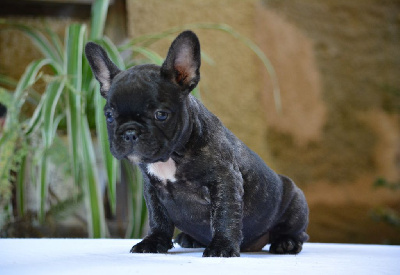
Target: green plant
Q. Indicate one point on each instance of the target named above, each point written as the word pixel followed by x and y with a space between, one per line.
pixel 383 213
pixel 387 214
pixel 69 96
pixel 68 104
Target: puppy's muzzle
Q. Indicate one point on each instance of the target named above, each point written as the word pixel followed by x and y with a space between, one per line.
pixel 129 132
pixel 130 135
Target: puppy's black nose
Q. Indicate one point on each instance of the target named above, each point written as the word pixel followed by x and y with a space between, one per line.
pixel 130 136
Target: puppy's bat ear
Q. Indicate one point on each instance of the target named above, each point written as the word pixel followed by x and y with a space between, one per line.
pixel 102 67
pixel 182 65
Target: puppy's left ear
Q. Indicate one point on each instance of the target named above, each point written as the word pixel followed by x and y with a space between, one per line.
pixel 182 65
pixel 102 67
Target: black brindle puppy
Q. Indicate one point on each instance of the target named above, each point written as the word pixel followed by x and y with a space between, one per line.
pixel 198 176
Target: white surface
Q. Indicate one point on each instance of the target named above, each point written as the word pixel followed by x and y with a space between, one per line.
pixel 107 256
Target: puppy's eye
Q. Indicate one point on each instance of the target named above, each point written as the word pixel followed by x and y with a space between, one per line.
pixel 161 115
pixel 109 117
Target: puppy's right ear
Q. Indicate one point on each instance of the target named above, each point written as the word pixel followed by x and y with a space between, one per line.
pixel 102 67
pixel 182 65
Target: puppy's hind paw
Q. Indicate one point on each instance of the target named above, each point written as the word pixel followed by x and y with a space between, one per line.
pixel 152 245
pixel 286 246
pixel 186 241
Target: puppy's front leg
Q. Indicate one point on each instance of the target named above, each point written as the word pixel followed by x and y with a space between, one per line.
pixel 226 215
pixel 159 239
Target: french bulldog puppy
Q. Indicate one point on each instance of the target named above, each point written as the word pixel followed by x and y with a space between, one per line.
pixel 198 176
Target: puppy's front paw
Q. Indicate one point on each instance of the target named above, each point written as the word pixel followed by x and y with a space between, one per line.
pixel 222 249
pixel 152 245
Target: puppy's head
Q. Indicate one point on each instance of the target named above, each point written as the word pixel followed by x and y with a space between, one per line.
pixel 146 106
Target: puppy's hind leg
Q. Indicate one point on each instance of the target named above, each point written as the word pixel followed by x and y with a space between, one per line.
pixel 288 236
pixel 186 241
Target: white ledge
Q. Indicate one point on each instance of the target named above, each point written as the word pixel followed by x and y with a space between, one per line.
pixel 110 256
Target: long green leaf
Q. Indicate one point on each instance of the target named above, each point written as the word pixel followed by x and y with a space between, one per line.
pixel 98 18
pixel 43 187
pixel 27 79
pixel 112 51
pixel 8 81
pixel 42 43
pixel 97 219
pixel 36 118
pixel 109 161
pixel 74 40
pixel 57 44
pixel 53 93
pixel 151 55
pixel 20 188
pixel 99 15
pixel 141 209
pixel 137 206
pixel 128 178
pixel 73 54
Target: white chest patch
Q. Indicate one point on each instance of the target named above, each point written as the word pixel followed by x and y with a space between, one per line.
pixel 163 170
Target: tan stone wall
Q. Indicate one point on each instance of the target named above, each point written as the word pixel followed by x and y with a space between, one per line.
pixel 335 62
pixel 355 46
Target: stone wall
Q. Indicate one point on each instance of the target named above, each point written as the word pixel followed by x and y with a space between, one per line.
pixel 338 67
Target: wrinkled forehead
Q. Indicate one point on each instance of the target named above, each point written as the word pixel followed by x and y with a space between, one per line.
pixel 141 89
pixel 136 79
pixel 135 87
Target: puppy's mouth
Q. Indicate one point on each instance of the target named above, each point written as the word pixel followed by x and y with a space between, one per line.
pixel 134 159
pixel 137 158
